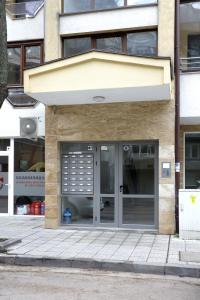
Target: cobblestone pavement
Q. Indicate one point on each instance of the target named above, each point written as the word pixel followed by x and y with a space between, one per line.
pixel 109 245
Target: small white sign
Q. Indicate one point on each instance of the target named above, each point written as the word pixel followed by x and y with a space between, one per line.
pixel 166 165
pixel 104 148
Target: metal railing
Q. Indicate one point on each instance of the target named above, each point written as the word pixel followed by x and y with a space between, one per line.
pixel 26 9
pixel 190 64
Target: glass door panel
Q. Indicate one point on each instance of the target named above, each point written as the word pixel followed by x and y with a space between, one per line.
pixel 137 189
pixel 107 196
pixel 3 184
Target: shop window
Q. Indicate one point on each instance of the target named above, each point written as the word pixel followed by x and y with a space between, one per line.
pixel 192 161
pixel 20 57
pixel 29 173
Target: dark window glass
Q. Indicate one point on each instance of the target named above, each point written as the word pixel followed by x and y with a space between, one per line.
pixel 106 4
pixel 142 43
pixel 71 6
pixel 14 55
pixel 32 56
pixel 138 169
pixel 110 44
pixel 76 46
pixel 194 50
pixel 4 144
pixel 107 169
pixel 192 161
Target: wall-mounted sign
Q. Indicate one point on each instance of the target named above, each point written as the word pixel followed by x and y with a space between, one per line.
pixel 25 183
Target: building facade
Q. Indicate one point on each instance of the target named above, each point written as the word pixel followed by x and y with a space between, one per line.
pixel 107 83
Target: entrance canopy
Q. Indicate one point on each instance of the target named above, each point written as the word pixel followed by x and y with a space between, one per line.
pixel 100 77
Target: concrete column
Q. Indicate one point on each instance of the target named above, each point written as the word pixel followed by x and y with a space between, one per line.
pixel 52 42
pixel 166 21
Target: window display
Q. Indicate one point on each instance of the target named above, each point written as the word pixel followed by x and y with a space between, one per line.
pixel 29 177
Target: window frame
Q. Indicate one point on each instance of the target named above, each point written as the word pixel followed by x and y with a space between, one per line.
pixel 122 34
pixel 22 46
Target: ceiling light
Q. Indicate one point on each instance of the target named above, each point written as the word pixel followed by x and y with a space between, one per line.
pixel 98 99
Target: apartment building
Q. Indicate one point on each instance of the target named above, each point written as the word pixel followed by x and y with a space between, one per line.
pixel 107 82
pixel 108 87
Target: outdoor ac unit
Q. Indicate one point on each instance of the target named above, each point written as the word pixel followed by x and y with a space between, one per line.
pixel 28 128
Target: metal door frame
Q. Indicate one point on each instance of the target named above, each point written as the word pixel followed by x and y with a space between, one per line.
pixel 121 195
pixel 98 195
pixel 118 181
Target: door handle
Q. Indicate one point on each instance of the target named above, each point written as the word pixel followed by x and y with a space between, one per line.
pixel 121 188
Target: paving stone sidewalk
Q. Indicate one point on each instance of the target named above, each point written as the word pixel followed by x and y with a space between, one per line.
pixel 95 244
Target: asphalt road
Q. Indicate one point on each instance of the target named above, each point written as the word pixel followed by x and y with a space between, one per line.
pixel 26 283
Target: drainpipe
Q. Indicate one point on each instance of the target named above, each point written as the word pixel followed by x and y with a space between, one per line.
pixel 177 110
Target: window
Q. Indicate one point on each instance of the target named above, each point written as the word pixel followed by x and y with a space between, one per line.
pixel 76 45
pixel 192 160
pixel 142 43
pixel 71 6
pixel 20 57
pixel 109 44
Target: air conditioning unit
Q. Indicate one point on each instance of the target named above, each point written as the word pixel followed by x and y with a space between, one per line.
pixel 28 128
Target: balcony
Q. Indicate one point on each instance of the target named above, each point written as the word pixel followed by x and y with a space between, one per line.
pixel 23 9
pixel 190 62
pixel 137 15
pixel 189 98
pixel 25 20
pixel 190 36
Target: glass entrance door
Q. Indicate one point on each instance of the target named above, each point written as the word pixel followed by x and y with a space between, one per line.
pixel 3 184
pixel 126 185
pixel 137 190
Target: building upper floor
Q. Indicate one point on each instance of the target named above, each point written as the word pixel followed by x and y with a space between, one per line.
pixel 190 61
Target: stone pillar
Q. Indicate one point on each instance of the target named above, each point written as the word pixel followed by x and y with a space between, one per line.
pixel 52 161
pixel 166 21
pixel 52 42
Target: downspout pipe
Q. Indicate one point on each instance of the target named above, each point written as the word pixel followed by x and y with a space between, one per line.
pixel 177 110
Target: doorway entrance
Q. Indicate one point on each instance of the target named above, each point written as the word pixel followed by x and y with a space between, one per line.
pixel 111 184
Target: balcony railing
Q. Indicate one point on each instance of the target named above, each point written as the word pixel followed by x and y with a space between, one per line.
pixel 190 64
pixel 26 9
pixel 77 6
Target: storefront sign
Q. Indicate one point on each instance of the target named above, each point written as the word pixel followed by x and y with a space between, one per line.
pixel 25 183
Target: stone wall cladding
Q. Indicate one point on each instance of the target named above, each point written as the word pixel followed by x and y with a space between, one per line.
pixel 111 122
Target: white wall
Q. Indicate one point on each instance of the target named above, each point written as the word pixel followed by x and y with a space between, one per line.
pixel 26 29
pixel 190 98
pixel 10 119
pixel 109 20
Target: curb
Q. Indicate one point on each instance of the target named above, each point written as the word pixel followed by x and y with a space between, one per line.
pixel 115 266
